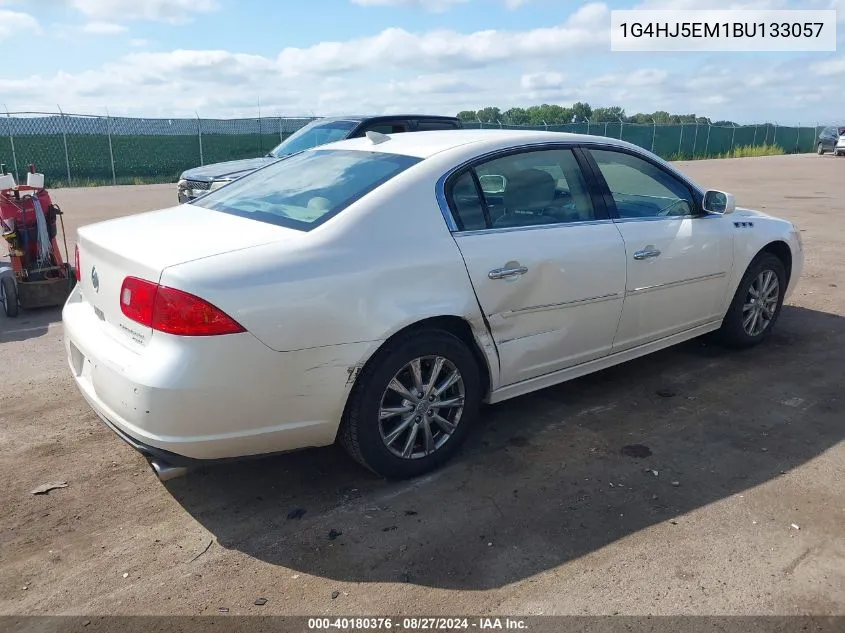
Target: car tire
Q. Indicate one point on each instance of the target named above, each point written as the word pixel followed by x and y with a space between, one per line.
pixel 740 327
pixel 820 149
pixel 10 297
pixel 366 432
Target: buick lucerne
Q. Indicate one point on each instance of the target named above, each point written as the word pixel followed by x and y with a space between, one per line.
pixel 375 291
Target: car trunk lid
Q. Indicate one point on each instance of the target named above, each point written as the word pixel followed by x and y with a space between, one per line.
pixel 145 245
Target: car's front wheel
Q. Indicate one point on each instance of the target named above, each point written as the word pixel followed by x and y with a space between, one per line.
pixel 412 405
pixel 757 303
pixel 820 149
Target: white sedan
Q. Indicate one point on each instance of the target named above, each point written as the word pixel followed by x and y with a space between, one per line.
pixel 375 291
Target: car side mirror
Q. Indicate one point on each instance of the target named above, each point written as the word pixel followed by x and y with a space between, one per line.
pixel 718 202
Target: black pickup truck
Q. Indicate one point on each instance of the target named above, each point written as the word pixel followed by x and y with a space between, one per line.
pixel 195 182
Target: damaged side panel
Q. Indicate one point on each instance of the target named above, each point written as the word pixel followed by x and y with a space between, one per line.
pixel 552 295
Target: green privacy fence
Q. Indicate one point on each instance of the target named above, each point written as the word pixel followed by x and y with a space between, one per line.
pixel 83 150
pixel 86 150
pixel 690 140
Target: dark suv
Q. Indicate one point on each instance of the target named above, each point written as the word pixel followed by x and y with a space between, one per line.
pixel 828 138
pixel 195 182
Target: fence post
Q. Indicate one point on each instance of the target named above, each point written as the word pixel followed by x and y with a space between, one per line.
pixel 199 136
pixel 545 126
pixel 681 140
pixel 733 135
pixel 111 151
pixel 12 143
pixel 754 142
pixel 64 137
pixel 653 133
pixel 707 143
pixel 281 135
pixel 588 127
pixel 621 125
pixel 695 139
pixel 605 128
pixel 775 134
pixel 798 139
pixel 766 140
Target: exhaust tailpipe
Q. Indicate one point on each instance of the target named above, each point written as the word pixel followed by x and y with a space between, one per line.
pixel 165 471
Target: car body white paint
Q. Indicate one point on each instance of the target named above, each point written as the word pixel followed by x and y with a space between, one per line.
pixel 318 304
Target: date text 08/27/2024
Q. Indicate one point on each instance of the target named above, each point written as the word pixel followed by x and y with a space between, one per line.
pixel 415 623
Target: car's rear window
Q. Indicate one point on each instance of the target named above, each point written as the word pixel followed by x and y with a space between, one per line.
pixel 304 190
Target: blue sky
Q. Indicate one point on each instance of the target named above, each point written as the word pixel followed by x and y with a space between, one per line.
pixel 221 57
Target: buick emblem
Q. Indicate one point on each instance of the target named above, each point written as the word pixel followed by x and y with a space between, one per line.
pixel 95 280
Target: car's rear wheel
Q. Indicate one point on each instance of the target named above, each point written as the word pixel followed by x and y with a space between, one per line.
pixel 412 405
pixel 757 303
pixel 820 149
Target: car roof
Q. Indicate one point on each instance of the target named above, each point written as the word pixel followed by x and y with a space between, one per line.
pixel 427 144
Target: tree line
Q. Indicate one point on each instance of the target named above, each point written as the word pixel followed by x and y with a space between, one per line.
pixel 547 114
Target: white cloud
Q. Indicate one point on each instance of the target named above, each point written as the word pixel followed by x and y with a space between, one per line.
pixel 441 72
pixel 640 78
pixel 138 42
pixel 104 28
pixel 830 67
pixel 436 6
pixel 435 84
pixel 396 47
pixel 14 23
pixel 542 81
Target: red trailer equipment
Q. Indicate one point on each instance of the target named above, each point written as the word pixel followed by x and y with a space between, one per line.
pixel 39 277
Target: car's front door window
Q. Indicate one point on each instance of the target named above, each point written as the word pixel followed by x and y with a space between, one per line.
pixel 641 189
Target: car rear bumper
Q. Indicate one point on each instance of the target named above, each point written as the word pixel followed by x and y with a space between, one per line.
pixel 182 399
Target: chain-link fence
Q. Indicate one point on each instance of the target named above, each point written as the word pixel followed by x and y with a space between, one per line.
pixel 86 150
pixel 89 150
pixel 689 141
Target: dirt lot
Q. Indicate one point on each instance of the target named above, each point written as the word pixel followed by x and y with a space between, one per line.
pixel 541 513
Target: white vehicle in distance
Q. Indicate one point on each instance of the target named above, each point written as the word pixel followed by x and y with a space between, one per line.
pixel 376 290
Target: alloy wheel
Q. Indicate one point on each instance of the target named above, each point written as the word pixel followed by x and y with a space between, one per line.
pixel 761 303
pixel 421 407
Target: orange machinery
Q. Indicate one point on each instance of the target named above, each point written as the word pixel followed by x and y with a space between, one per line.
pixel 39 276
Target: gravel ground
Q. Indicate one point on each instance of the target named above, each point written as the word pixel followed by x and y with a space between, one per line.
pixel 738 509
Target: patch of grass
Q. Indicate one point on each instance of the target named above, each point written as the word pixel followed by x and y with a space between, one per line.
pixel 741 151
pixel 107 182
pixel 752 151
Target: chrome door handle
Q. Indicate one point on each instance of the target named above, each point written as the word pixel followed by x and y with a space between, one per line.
pixel 647 253
pixel 504 273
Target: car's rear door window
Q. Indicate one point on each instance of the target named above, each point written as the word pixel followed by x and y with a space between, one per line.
pixel 306 189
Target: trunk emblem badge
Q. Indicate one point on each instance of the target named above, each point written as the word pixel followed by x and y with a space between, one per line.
pixel 95 280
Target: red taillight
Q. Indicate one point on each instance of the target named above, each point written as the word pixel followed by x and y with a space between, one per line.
pixel 76 263
pixel 173 311
pixel 137 298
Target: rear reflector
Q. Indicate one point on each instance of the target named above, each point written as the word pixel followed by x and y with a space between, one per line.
pixel 173 311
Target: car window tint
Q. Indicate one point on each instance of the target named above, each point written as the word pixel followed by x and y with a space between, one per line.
pixel 308 188
pixel 467 205
pixel 312 135
pixel 423 126
pixel 535 188
pixel 388 128
pixel 640 189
